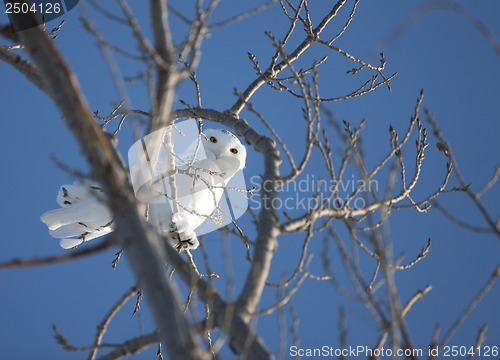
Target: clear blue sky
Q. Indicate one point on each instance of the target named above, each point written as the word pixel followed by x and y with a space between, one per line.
pixel 442 52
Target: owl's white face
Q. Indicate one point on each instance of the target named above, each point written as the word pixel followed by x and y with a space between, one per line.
pixel 225 149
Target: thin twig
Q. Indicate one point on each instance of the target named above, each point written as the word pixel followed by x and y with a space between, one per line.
pixel 103 325
pixel 471 306
pixel 69 256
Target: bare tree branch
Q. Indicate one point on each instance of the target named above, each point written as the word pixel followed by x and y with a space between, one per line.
pixel 102 327
pixel 142 244
pixel 23 66
pixel 131 347
pixel 89 250
pixel 272 71
pixel 360 238
pixel 482 292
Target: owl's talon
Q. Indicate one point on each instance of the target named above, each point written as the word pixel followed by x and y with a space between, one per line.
pixel 185 244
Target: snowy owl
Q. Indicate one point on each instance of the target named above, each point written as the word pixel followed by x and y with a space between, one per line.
pixel 202 175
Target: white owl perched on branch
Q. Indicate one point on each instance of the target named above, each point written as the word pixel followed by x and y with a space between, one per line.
pixel 202 174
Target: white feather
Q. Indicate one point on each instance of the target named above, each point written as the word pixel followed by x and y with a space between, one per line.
pixel 204 170
pixel 83 215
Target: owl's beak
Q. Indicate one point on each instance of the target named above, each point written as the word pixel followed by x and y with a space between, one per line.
pixel 219 155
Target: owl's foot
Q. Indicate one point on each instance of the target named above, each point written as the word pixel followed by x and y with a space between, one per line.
pixel 181 241
pixel 189 244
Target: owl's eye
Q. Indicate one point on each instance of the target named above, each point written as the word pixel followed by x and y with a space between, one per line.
pixel 233 150
pixel 213 139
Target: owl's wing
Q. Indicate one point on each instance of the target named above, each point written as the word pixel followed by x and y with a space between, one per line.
pixel 197 197
pixel 178 228
pixel 193 154
pixel 185 156
pixel 160 215
pixel 75 234
pixel 91 212
pixel 160 208
pixel 83 215
pixel 75 193
pixel 70 243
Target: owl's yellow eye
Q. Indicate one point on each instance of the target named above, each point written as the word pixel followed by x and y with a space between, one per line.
pixel 233 150
pixel 213 139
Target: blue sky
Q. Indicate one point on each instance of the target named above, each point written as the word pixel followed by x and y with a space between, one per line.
pixel 441 52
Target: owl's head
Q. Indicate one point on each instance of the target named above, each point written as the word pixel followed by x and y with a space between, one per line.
pixel 224 148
